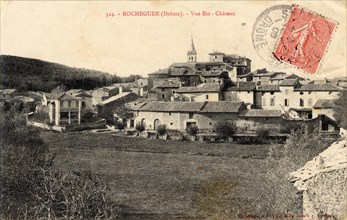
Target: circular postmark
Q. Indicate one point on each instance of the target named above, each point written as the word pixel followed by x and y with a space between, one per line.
pixel 267 31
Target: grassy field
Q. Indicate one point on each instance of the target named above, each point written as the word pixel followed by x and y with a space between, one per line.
pixel 154 179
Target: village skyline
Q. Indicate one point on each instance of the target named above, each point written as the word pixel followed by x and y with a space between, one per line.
pixel 83 37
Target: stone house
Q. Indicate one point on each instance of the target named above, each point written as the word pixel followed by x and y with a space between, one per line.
pixel 254 119
pixel 202 92
pixel 242 91
pixel 323 183
pixel 86 101
pixel 167 89
pixel 107 107
pixel 104 93
pixel 324 107
pixel 180 115
pixel 63 108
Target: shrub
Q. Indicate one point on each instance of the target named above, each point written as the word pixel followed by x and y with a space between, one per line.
pixel 140 127
pixel 225 129
pixel 120 125
pixel 161 129
pixel 263 135
pixel 193 130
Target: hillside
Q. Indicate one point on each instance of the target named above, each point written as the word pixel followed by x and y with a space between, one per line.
pixel 37 75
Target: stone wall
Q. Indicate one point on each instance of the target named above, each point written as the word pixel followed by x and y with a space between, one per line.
pixel 326 195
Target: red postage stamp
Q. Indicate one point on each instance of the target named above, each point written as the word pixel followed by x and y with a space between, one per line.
pixel 304 39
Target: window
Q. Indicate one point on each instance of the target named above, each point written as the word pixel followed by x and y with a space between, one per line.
pixel 264 101
pixel 61 104
pixel 272 102
pixel 83 104
pixel 210 123
pixel 191 115
pixel 302 102
pixel 301 93
pixel 286 102
pixel 64 115
pixel 171 123
pixel 173 91
pixel 73 115
pixel 271 93
pixel 163 96
pixel 163 89
pixel 77 104
pixel 248 92
pixel 206 97
pixel 169 113
pixel 69 104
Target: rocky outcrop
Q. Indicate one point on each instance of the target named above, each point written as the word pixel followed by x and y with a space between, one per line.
pixel 324 184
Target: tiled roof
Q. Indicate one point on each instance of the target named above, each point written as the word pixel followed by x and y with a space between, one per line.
pixel 318 87
pixel 212 73
pixel 293 76
pixel 53 96
pixel 245 75
pixel 169 84
pixel 180 71
pixel 324 103
pixel 268 88
pixel 243 86
pixel 204 87
pixel 202 107
pixel 289 82
pixel 261 113
pixel 172 106
pixel 68 97
pixel 83 94
pixel 333 158
pixel 222 107
pixel 115 98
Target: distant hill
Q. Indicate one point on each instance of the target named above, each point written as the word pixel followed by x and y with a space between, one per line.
pixel 27 74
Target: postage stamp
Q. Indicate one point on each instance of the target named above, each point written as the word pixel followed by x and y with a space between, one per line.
pixel 304 39
pixel 267 31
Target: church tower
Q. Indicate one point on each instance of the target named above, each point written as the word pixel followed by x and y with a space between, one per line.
pixel 191 55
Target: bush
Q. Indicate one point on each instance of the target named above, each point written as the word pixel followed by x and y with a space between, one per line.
pixel 140 127
pixel 120 125
pixel 161 129
pixel 225 129
pixel 193 130
pixel 263 135
pixel 32 189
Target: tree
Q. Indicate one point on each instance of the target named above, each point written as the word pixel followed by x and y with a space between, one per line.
pixel 340 109
pixel 225 129
pixel 161 129
pixel 32 189
pixel 193 130
pixel 302 145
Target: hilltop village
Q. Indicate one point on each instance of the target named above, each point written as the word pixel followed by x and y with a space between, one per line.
pixel 224 88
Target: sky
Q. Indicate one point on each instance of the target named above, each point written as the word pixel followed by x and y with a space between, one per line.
pixel 79 34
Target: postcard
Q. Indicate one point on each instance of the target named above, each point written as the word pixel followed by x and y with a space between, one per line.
pixel 173 109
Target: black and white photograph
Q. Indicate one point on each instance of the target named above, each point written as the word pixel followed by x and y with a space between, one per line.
pixel 165 110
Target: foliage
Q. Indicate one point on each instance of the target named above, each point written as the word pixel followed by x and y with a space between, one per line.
pixel 161 129
pixel 140 127
pixel 131 78
pixel 75 195
pixel 263 135
pixel 301 146
pixel 32 189
pixel 36 75
pixel 193 130
pixel 119 125
pixel 340 109
pixel 181 98
pixel 225 129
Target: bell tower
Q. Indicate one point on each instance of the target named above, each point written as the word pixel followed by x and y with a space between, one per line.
pixel 191 54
